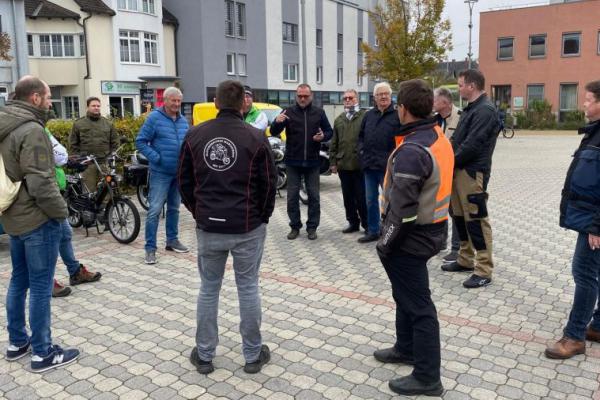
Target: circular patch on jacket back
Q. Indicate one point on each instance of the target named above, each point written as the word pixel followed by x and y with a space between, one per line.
pixel 220 154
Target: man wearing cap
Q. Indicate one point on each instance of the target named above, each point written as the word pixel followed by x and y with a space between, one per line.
pixel 253 115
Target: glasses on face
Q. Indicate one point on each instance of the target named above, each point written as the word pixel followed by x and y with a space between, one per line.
pixel 347 98
pixel 382 95
pixel 303 96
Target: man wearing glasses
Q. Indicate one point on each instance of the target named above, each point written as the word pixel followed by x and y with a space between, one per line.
pixel 375 144
pixel 344 161
pixel 306 126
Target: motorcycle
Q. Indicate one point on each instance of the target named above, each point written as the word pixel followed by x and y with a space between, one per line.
pixel 278 149
pixel 324 169
pixel 87 209
pixel 136 174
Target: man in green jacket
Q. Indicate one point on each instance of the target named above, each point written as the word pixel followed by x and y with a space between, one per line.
pixel 33 222
pixel 344 161
pixel 93 135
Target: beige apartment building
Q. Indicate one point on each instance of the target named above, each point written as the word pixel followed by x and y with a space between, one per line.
pixel 121 51
pixel 541 52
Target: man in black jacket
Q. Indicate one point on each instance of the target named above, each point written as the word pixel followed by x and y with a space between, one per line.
pixel 227 181
pixel 473 141
pixel 375 144
pixel 306 127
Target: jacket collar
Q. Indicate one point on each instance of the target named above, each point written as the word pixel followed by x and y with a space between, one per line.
pixel 163 112
pixel 41 115
pixel 590 129
pixel 391 108
pixel 229 113
pixel 308 107
pixel 479 100
pixel 416 125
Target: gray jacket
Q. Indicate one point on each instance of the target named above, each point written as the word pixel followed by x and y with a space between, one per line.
pixel 27 155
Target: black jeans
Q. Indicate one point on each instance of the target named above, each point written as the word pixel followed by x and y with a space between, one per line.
pixel 311 180
pixel 353 192
pixel 417 326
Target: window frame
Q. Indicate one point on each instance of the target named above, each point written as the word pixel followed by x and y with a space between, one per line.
pixel 71 105
pixel 340 76
pixel 359 42
pixel 30 45
pixel 244 57
pixel 562 44
pixel 130 39
pixel 293 31
pixel 148 39
pixel 227 58
pixel 560 88
pixel 340 42
pixel 545 36
pixel 151 5
pixel 319 77
pixel 512 53
pixel 287 68
pixel 229 18
pixel 240 22
pixel 530 85
pixel 319 38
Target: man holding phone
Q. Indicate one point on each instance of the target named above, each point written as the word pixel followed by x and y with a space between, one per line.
pixel 306 126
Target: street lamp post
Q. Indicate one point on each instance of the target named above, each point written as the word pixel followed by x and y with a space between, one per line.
pixel 471 4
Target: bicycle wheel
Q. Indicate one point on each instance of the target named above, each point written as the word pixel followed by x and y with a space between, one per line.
pixel 123 220
pixel 508 133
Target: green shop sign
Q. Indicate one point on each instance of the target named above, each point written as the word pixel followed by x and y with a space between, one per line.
pixel 116 87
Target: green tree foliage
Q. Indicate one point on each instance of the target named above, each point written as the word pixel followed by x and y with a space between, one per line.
pixel 4 47
pixel 412 37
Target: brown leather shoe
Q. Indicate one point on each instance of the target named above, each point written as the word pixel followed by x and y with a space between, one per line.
pixel 592 335
pixel 565 348
pixel 84 276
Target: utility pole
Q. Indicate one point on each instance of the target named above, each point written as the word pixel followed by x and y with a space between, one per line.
pixel 471 4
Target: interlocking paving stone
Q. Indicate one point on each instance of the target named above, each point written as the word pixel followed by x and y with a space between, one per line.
pixel 327 306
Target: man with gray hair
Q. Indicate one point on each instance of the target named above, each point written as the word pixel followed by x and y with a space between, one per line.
pixel 160 140
pixel 375 144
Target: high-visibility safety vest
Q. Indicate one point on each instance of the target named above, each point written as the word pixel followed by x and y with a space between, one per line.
pixel 434 198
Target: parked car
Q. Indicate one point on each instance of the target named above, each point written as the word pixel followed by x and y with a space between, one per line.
pixel 206 111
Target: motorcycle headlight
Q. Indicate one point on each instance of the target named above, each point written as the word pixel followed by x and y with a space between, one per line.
pixel 277 155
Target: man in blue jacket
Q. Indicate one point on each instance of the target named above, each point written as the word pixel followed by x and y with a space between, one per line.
pixel 160 141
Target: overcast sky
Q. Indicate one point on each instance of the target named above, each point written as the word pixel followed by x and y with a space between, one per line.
pixel 458 13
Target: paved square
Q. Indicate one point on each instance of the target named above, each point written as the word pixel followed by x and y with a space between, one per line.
pixel 327 306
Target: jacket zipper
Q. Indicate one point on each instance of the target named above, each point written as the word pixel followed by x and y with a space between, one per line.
pixel 305 137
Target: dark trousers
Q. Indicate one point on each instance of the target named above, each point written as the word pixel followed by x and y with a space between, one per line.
pixel 417 326
pixel 353 192
pixel 311 181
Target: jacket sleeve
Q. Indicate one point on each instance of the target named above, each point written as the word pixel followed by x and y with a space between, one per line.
pixel 74 140
pixel 267 177
pixel 186 178
pixel 278 127
pixel 261 122
pixel 412 166
pixel 60 153
pixel 36 161
pixel 333 147
pixel 483 126
pixel 325 127
pixel 391 139
pixel 361 136
pixel 143 142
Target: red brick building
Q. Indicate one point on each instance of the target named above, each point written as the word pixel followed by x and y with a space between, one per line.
pixel 541 52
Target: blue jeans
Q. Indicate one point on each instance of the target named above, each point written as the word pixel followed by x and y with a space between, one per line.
pixel 586 273
pixel 373 181
pixel 311 180
pixel 66 248
pixel 213 250
pixel 33 257
pixel 163 188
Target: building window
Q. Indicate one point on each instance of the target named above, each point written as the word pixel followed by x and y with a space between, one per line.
pixel 235 19
pixel 130 46
pixel 340 76
pixel 151 48
pixel 45 47
pixel 69 45
pixel 229 16
pixel 290 72
pixel 230 63
pixel 537 46
pixel 568 99
pixel 30 45
pixel 505 48
pixel 240 22
pixel 319 38
pixel 534 93
pixel 130 5
pixel 290 32
pixel 241 64
pixel 360 42
pixel 340 42
pixel 359 79
pixel 571 44
pixel 57 47
pixel 319 74
pixel 148 6
pixel 71 107
pixel 82 45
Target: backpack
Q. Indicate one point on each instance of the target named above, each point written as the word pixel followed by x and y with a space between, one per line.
pixel 8 188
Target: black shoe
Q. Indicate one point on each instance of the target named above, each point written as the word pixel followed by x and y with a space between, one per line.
pixel 410 386
pixel 204 367
pixel 368 237
pixel 392 356
pixel 263 358
pixel 293 234
pixel 451 257
pixel 456 267
pixel 351 228
pixel 475 282
pixel 312 234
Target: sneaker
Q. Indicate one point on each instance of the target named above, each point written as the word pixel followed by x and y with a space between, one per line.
pixel 84 276
pixel 263 358
pixel 475 281
pixel 293 234
pixel 454 266
pixel 15 352
pixel 59 290
pixel 150 257
pixel 56 358
pixel 312 234
pixel 204 367
pixel 176 246
pixel 450 257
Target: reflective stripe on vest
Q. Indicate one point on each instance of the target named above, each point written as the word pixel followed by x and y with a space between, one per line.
pixel 434 198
